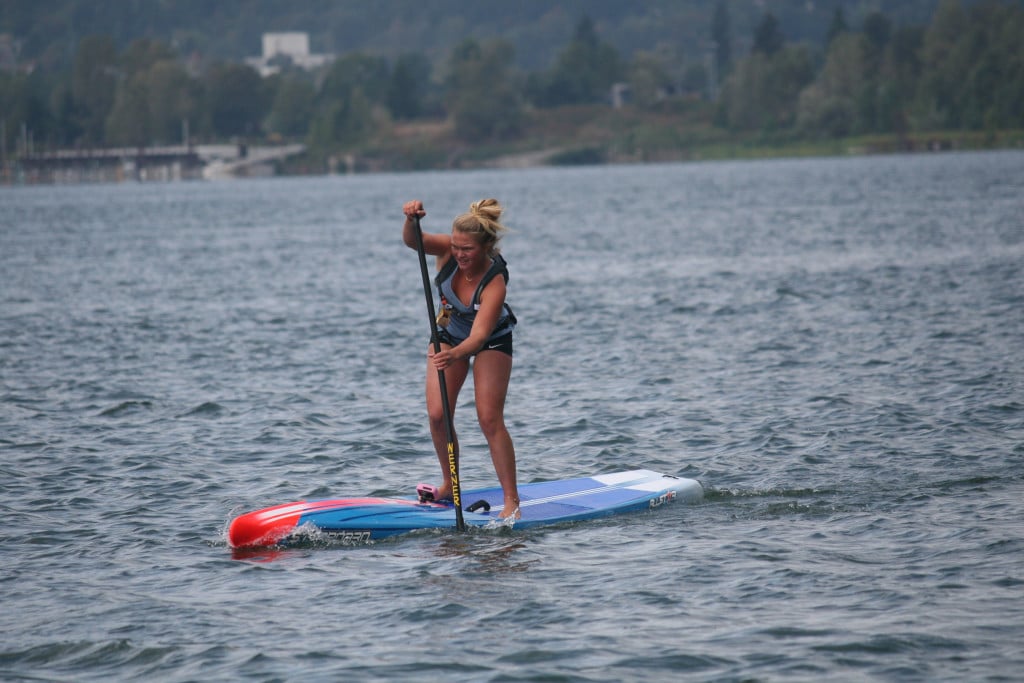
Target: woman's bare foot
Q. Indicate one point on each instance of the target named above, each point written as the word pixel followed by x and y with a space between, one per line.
pixel 511 509
pixel 433 494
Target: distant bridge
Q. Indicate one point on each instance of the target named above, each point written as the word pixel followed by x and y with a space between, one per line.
pixel 170 162
pixel 252 161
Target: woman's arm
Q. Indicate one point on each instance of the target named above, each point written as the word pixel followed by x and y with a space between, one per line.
pixel 492 300
pixel 433 243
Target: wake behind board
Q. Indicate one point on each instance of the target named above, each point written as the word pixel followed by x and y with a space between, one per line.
pixel 549 502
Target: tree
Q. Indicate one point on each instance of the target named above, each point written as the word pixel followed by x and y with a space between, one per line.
pixel 992 93
pixel 143 53
pixel 342 123
pixel 768 38
pixel 483 99
pixel 877 29
pixel 583 74
pixel 648 80
pixel 23 110
pixel 937 94
pixel 94 84
pixel 897 83
pixel 695 79
pixel 172 98
pixel 236 101
pixel 293 107
pixel 763 89
pixel 128 122
pixel 833 103
pixel 356 71
pixel 354 86
pixel 721 33
pixel 762 92
pixel 153 96
pixel 877 33
pixel 1008 101
pixel 409 78
pixel 67 118
pixel 838 26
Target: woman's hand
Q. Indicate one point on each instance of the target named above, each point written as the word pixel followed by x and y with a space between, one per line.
pixel 434 244
pixel 441 359
pixel 413 208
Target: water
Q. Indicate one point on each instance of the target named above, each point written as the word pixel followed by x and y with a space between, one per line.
pixel 834 347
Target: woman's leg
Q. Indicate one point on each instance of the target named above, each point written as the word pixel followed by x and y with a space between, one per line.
pixel 491 373
pixel 454 377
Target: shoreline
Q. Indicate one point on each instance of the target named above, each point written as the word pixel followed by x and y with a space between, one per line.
pixel 574 153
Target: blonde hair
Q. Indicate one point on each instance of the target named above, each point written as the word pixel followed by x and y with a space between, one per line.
pixel 482 222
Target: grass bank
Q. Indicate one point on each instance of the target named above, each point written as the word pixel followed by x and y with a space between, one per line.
pixel 682 131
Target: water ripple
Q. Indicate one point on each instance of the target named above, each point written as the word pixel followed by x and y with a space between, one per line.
pixel 831 346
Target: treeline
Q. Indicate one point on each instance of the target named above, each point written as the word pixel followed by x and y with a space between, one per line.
pixel 47 32
pixel 964 70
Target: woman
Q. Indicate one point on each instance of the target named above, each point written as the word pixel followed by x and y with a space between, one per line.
pixel 474 322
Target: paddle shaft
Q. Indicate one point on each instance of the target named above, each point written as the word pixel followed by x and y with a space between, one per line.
pixel 453 457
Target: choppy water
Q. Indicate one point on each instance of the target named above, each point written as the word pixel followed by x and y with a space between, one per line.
pixel 834 347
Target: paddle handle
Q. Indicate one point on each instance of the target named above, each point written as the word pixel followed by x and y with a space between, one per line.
pixel 453 457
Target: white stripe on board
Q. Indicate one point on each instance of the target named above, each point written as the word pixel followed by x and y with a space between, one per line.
pixel 618 481
pixel 632 475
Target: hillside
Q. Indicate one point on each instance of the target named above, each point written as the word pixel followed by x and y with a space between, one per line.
pixel 452 84
pixel 47 32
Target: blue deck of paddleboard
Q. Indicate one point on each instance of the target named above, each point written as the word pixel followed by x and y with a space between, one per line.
pixel 540 503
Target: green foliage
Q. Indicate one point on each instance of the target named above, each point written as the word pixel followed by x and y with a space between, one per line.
pixel 763 91
pixel 128 121
pixel 768 38
pixel 94 85
pixel 22 98
pixel 721 34
pixel 356 72
pixel 66 126
pixel 172 99
pixel 583 74
pixel 342 123
pixel 407 86
pixel 973 68
pixel 838 26
pixel 483 98
pixel 353 87
pixel 581 156
pixel 292 108
pixel 229 30
pixel 831 104
pixel 236 100
pixel 965 70
pixel 962 69
pixel 877 29
pixel 142 54
pixel 649 80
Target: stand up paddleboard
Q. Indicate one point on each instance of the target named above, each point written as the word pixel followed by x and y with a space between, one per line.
pixel 357 520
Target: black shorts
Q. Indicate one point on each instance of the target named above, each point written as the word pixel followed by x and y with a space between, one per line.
pixel 502 343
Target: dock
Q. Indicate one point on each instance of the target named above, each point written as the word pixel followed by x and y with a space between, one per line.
pixel 144 164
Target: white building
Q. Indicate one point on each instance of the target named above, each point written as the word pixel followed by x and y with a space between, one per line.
pixel 291 46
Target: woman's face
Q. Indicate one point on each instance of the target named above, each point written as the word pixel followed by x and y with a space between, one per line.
pixel 466 250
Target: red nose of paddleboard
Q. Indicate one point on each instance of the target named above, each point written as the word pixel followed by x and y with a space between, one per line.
pixel 264 527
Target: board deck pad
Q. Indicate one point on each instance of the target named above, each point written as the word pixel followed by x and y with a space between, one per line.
pixel 548 502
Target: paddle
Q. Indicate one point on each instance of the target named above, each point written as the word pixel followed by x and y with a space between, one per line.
pixel 453 459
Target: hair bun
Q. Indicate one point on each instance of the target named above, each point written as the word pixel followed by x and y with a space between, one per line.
pixel 482 221
pixel 488 209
